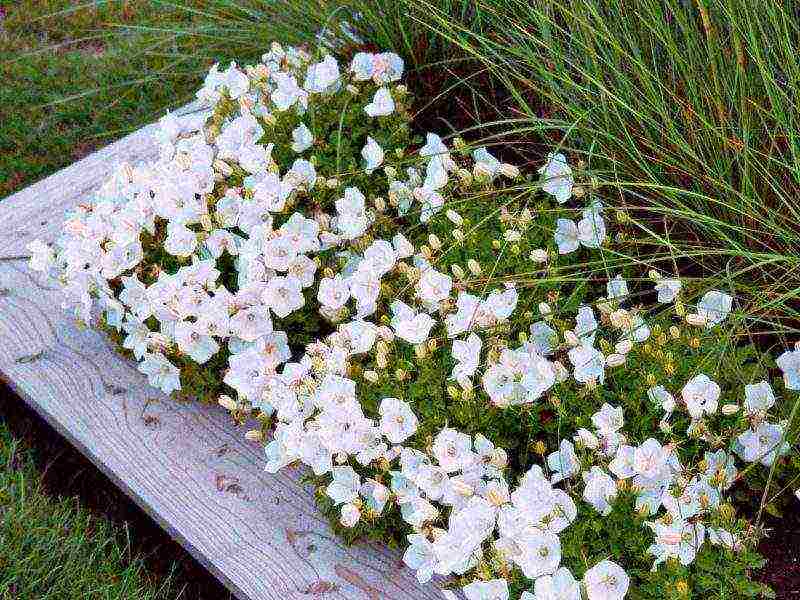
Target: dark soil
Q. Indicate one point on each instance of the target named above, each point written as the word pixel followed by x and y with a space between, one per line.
pixel 67 473
pixel 782 550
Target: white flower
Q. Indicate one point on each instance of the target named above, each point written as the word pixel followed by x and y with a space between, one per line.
pixel 763 444
pixel 485 164
pixel 380 256
pixel 200 348
pixel 136 338
pixel 434 146
pixel 759 397
pixel 303 138
pixel 701 395
pixel 322 77
pixel 350 515
pixel 668 290
pixel 236 82
pixel 181 241
pixel 714 307
pixel 402 247
pixel 557 177
pixel 433 286
pixel 382 104
pixel 563 463
pixel 499 383
pixel 352 219
pixel 587 438
pixel 398 421
pixel 540 552
pixel 600 490
pixel 345 485
pixel 566 236
pixel 303 174
pixel 592 231
pixel 585 325
pixel 221 240
pixel 606 581
pixel 431 201
pixel 381 68
pixel 333 292
pixel 467 355
pixel 409 325
pixel 376 495
pixel 662 398
pixel 453 450
pixel 302 268
pixel 161 373
pixel 283 295
pixel 251 323
pixel 589 363
pixel 365 287
pixel 361 336
pixel 420 557
pixel 495 589
pixel 559 586
pixel 373 154
pixel 680 539
pixel 435 175
pixel 287 92
pixel 724 538
pixel 650 458
pixel 789 363
pixel 617 288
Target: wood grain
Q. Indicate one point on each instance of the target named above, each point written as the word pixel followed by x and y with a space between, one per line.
pixel 184 464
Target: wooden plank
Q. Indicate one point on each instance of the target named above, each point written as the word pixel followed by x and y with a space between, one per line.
pixel 184 464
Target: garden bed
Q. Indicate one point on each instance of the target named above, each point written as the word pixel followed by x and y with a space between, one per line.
pixel 216 189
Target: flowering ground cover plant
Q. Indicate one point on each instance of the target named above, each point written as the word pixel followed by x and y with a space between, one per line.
pixel 421 326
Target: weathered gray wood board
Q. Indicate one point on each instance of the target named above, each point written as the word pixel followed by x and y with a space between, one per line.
pixel 184 464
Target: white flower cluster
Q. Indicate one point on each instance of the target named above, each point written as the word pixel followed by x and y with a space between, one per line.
pixel 201 254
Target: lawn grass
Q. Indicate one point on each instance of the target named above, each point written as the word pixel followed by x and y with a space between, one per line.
pixel 55 549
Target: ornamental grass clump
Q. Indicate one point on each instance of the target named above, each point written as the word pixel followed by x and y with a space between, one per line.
pixel 442 344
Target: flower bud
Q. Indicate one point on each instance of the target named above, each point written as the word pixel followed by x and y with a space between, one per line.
pixel 254 435
pixel 227 402
pixel 474 266
pixel 624 346
pixel 696 319
pixel 454 217
pixel 509 171
pixel 539 255
pixel 570 338
pixel 615 360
